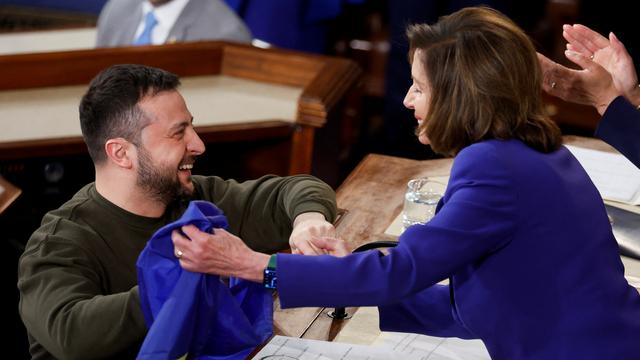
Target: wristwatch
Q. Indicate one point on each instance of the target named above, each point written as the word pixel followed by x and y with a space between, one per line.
pixel 270 278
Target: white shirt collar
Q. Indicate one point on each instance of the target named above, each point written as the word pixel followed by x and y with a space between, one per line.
pixel 166 14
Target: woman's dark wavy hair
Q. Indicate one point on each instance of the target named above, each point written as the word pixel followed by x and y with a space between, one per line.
pixel 485 82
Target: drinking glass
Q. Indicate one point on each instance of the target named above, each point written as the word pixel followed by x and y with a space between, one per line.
pixel 420 201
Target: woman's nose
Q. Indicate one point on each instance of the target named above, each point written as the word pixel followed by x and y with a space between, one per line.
pixel 408 101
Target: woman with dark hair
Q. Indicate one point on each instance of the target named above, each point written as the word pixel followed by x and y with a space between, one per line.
pixel 521 232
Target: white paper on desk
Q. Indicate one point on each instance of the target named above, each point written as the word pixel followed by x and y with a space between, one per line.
pixel 631 271
pixel 430 347
pixel 290 348
pixel 615 177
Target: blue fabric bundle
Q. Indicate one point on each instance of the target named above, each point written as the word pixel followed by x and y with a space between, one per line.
pixel 197 314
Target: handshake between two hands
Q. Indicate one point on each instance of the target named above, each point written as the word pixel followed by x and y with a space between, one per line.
pixel 223 253
pixel 313 235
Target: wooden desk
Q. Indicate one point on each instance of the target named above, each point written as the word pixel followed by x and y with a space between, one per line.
pixel 373 196
pixel 318 84
pixel 26 42
pixel 8 193
pixel 259 111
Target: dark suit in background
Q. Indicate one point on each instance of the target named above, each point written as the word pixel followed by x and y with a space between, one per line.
pixel 199 20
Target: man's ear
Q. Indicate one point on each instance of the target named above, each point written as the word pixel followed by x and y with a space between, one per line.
pixel 120 151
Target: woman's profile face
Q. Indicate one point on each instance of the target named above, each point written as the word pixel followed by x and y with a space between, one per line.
pixel 419 94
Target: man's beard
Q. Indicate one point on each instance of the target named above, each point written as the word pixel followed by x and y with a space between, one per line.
pixel 160 183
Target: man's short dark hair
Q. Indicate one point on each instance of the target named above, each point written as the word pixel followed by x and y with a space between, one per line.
pixel 109 109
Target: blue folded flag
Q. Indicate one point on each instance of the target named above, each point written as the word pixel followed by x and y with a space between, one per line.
pixel 198 314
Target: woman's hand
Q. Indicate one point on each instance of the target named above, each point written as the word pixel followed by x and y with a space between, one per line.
pixel 609 53
pixel 592 85
pixel 331 245
pixel 220 253
pixel 305 227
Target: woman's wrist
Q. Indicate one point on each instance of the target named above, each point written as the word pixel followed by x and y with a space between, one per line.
pixel 606 98
pixel 254 267
pixel 633 96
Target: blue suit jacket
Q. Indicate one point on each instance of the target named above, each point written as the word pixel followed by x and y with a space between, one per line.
pixel 533 265
pixel 620 127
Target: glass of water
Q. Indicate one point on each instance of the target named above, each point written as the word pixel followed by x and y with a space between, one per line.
pixel 420 201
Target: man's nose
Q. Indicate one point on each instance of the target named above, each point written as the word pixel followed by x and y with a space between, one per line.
pixel 195 144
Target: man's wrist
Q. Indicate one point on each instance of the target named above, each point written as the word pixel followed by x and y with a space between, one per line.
pixel 313 215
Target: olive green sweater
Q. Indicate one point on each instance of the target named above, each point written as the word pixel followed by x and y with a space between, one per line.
pixel 77 277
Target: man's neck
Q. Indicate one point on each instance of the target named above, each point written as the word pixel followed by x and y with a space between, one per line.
pixel 156 3
pixel 125 194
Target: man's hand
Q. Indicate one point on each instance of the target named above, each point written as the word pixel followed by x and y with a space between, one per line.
pixel 307 226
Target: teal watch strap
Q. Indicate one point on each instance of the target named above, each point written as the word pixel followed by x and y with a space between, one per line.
pixel 270 277
pixel 273 259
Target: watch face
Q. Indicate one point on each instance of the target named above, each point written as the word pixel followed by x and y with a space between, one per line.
pixel 270 279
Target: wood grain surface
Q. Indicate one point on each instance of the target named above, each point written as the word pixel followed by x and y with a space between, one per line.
pixel 372 196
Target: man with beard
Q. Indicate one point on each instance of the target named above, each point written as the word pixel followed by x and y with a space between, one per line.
pixel 77 277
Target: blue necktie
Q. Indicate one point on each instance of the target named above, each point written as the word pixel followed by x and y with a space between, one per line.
pixel 150 22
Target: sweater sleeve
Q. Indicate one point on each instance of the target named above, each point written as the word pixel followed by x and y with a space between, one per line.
pixel 478 217
pixel 63 307
pixel 261 211
pixel 620 127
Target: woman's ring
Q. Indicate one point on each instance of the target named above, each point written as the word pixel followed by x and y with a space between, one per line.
pixel 179 254
pixel 553 85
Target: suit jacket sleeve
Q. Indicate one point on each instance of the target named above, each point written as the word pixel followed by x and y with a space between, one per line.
pixel 427 312
pixel 463 231
pixel 620 127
